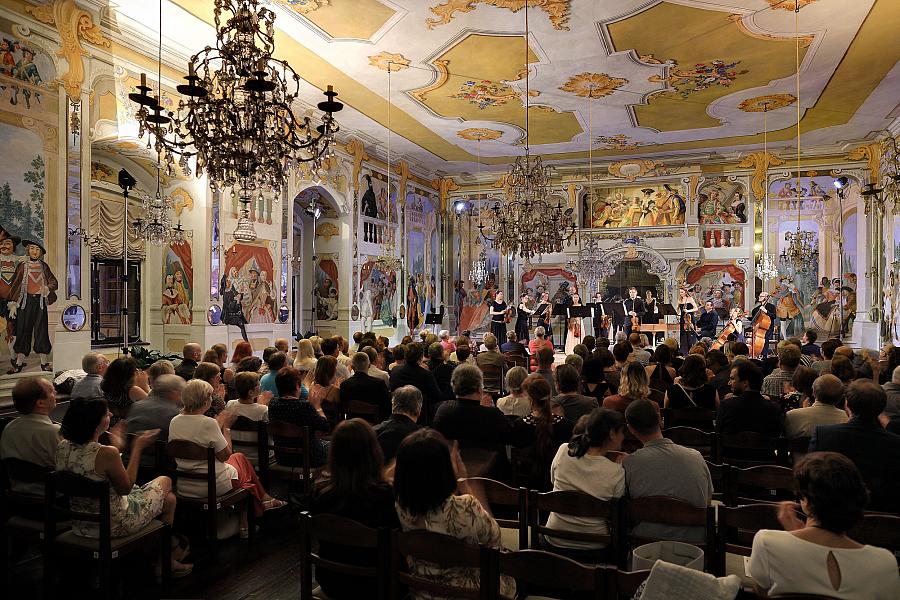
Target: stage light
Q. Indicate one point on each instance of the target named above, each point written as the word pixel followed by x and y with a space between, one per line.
pixel 841 182
pixel 459 206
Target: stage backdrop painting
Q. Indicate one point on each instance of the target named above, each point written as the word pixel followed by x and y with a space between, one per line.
pixel 379 291
pixel 475 312
pixel 644 205
pixel 723 284
pixel 327 283
pixel 250 268
pixel 178 281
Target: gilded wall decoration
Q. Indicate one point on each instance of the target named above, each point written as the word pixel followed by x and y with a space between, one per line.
pixel 790 5
pixel 700 77
pixel 182 200
pixel 871 153
pixel 477 134
pixel 384 60
pixel 444 186
pixel 645 205
pixel 442 75
pixel 557 10
pixel 760 162
pixel 620 142
pixel 327 230
pixel 402 169
pixel 357 150
pixel 632 169
pixel 73 25
pixel 767 103
pixel 594 85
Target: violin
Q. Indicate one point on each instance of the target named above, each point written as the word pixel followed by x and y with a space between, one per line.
pixel 508 314
pixel 635 323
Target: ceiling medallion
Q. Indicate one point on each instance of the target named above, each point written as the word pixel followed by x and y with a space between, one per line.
pixel 235 117
pixel 387 60
pixel 632 169
pixel 478 134
pixel 305 7
pixel 766 103
pixel 790 5
pixel 595 85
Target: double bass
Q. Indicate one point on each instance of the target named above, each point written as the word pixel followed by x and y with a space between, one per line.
pixel 760 326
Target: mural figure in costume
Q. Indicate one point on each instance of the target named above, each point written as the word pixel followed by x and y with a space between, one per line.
pixel 33 290
pixel 412 306
pixel 169 300
pixel 634 206
pixel 8 263
pixel 369 208
pixel 788 304
pixel 232 302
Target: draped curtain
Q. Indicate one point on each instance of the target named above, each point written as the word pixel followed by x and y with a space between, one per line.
pixel 107 225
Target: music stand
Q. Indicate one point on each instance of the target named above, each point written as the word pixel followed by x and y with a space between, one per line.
pixel 559 310
pixel 434 319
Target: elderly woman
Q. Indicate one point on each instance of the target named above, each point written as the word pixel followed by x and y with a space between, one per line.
pixel 123 384
pixel 251 403
pixel 233 470
pixel 446 343
pixel 517 403
pixel 426 482
pixel 539 341
pixel 211 374
pixel 816 556
pixel 632 386
pixel 131 507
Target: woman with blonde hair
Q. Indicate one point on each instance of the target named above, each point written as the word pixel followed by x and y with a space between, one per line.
pixel 305 361
pixel 633 385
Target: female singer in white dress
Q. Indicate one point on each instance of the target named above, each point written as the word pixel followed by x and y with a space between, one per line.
pixel 576 328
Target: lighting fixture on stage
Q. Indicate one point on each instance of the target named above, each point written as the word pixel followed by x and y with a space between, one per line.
pixel 526 222
pixel 459 206
pixel 841 182
pixel 236 117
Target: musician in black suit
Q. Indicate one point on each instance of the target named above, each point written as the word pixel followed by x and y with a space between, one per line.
pixel 599 330
pixel 634 307
pixel 767 308
pixel 562 298
pixel 708 321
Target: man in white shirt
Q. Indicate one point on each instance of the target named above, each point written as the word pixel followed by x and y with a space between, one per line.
pixel 32 436
pixel 827 391
pixel 331 347
pixel 374 371
pixel 94 364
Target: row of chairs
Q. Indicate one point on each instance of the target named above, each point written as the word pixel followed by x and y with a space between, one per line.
pixel 744 448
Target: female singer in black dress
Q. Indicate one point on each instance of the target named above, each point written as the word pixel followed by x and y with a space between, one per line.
pixel 498 317
pixel 651 316
pixel 523 315
pixel 542 311
pixel 687 310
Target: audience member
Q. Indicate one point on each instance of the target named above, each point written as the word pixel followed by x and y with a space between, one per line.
pixel 276 362
pixel 575 361
pixel 374 371
pixel 32 436
pixel 513 346
pixel 748 409
pixel 622 352
pixel 446 343
pixel 539 341
pixel 242 350
pixel 292 406
pixel 160 367
pixel 305 361
pixel 544 359
pixel 190 359
pixel 633 386
pixel 324 391
pixel 94 364
pixel 123 384
pixel 828 348
pixel 158 409
pixel 406 406
pixel 491 356
pixel 692 388
pixel 842 368
pixel 538 435
pixel 399 353
pixel 827 392
pixel 364 388
pixel 808 346
pixel 864 441
pixel 468 417
pixel 441 369
pixel 580 350
pixel 252 402
pixel 249 364
pixel 593 384
pixel 639 353
pixel 788 361
pixel 573 404
pixel 517 403
pixel 663 468
pixel 331 347
pixel 717 363
pixel 210 373
pixel 799 391
pixel 817 557
pixel 660 374
pixel 889 361
pixel 892 394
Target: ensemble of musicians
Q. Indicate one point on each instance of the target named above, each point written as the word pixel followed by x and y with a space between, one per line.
pixel 562 318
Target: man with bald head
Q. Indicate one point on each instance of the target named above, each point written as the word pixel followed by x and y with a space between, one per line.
pixel 157 410
pixel 191 354
pixel 827 392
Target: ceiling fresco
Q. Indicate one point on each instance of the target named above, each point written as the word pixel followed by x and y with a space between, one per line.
pixel 631 78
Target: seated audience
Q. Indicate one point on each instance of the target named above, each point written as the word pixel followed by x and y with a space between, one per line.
pixel 889 360
pixel 241 351
pixel 800 389
pixel 491 355
pixel 842 368
pixel 622 352
pixel 575 361
pixel 817 557
pixel 94 364
pixel 593 384
pixel 892 395
pixel 441 369
pixel 809 347
pixel 233 470
pixel 517 403
pixel 406 406
pixel 537 343
pixel 717 363
pixel 692 389
pixel 252 403
pixel 283 345
pixel 292 406
pixel 581 351
pixel 332 347
pixel 32 436
pixel 663 468
pixel 399 354
pixel 573 404
pixel 660 374
pixel 611 373
pixel 445 341
pixel 324 391
pixel 158 409
pixel 363 387
pixel 221 351
pixel 305 361
pixel 788 360
pixel 190 359
pixel 356 489
pixel 583 465
pixel 413 373
pixel 513 346
pixel 123 385
pixel 827 392
pixel 160 367
pixel 374 371
pixel 538 435
pixel 544 358
pixel 864 441
pixel 633 386
pixel 639 353
pixel 748 409
pixel 276 362
pixel 828 348
pixel 211 374
pixel 426 480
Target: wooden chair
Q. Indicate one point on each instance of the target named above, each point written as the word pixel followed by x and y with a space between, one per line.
pixel 658 396
pixel 706 443
pixel 292 440
pixel 763 483
pixel 576 504
pixel 797 447
pixel 104 549
pixel 445 552
pixel 212 503
pixel 362 410
pixel 515 360
pixel 737 526
pixel 622 585
pixel 878 529
pixel 732 444
pixel 332 529
pixel 698 418
pixel 493 379
pixel 545 571
pixel 720 475
pixel 665 510
pixel 511 501
pixel 260 445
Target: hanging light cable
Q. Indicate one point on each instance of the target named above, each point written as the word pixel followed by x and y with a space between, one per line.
pixel 478 272
pixel 766 267
pixel 389 260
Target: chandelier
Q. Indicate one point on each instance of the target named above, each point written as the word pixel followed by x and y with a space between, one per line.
pixel 766 267
pixel 527 223
pixel 389 259
pixel 235 116
pixel 155 224
pixel 479 271
pixel 588 265
pixel 245 231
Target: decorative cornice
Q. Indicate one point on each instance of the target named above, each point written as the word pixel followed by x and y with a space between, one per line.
pixel 402 169
pixel 444 186
pixel 872 154
pixel 760 162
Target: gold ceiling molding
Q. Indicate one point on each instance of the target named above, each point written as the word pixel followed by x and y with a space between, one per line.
pixel 357 150
pixel 183 200
pixel 805 40
pixel 402 169
pixel 620 141
pixel 444 185
pixel 73 25
pixel 442 76
pixel 767 102
pixel 595 85
pixel 557 10
pixel 327 230
pixel 632 169
pixel 790 5
pixel 760 162
pixel 872 154
pixel 504 184
pixel 477 134
pixel 385 60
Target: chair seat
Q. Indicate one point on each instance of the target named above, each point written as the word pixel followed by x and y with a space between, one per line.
pixel 226 499
pixel 70 540
pixel 24 525
pixel 295 472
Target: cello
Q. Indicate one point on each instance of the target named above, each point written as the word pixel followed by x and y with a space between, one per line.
pixel 760 325
pixel 729 328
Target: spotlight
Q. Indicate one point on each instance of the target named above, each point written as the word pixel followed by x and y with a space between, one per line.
pixel 459 206
pixel 841 182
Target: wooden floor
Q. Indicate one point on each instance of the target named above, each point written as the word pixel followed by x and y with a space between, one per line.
pixel 268 568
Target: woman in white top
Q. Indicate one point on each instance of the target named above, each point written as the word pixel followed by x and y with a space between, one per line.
pixel 232 470
pixel 252 403
pixel 305 361
pixel 582 465
pixel 817 556
pixel 517 404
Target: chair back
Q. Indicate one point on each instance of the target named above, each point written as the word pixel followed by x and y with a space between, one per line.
pixel 699 418
pixel 445 552
pixel 878 529
pixel 185 450
pixel 363 410
pixel 70 485
pixel 738 525
pixel 293 440
pixel 548 571
pixel 731 446
pixel 576 504
pixel 762 483
pixel 702 441
pixel 665 510
pixel 797 447
pixel 515 360
pixel 333 529
pixel 493 378
pixel 511 501
pixel 658 396
pixel 623 584
pixel 260 428
pixel 719 474
pixel 22 471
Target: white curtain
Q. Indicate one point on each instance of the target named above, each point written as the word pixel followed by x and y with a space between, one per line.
pixel 108 220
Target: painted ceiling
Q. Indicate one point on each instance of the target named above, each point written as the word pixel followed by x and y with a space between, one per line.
pixel 624 78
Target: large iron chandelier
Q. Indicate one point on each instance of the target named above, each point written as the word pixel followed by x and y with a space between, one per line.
pixel 235 116
pixel 527 223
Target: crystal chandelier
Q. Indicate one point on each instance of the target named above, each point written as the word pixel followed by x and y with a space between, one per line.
pixel 235 116
pixel 766 267
pixel 479 271
pixel 155 226
pixel 527 224
pixel 245 231
pixel 588 265
pixel 389 259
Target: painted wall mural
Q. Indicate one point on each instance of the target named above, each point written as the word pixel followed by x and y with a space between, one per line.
pixel 723 284
pixel 249 270
pixel 327 287
pixel 722 202
pixel 379 292
pixel 421 253
pixel 178 281
pixel 645 205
